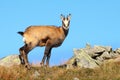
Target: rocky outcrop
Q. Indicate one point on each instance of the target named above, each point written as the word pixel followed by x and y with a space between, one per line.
pixel 10 60
pixel 88 57
pixel 91 57
pixel 81 60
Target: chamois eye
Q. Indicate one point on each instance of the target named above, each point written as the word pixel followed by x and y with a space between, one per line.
pixel 67 19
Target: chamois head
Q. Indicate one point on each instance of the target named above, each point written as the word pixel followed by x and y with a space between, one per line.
pixel 65 21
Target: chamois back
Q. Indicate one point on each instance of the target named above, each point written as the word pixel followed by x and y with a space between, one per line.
pixel 40 34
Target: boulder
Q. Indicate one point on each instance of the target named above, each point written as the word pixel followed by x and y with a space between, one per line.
pixel 98 49
pixel 106 55
pixel 36 74
pixel 95 51
pixel 107 48
pixel 88 46
pixel 117 50
pixel 10 60
pixel 82 59
pixel 91 57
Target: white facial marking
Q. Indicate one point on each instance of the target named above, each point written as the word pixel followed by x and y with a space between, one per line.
pixel 66 22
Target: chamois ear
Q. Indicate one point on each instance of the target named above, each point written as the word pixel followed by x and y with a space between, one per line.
pixel 62 17
pixel 69 16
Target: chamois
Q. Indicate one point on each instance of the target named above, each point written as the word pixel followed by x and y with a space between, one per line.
pixel 48 36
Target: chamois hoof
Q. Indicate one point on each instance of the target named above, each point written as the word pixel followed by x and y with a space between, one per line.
pixel 46 66
pixel 41 64
pixel 28 67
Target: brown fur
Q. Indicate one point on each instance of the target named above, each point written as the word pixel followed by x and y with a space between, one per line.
pixel 48 36
pixel 39 35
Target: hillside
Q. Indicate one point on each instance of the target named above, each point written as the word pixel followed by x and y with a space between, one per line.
pixel 89 63
pixel 109 71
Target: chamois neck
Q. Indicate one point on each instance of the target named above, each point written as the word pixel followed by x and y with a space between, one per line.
pixel 65 31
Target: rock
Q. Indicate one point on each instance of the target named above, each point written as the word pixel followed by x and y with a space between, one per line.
pixel 98 49
pixel 36 74
pixel 106 55
pixel 103 48
pixel 98 62
pixel 117 50
pixel 88 46
pixel 113 54
pixel 91 57
pixel 10 60
pixel 82 59
pixel 76 78
pixel 108 48
pixel 90 52
pixel 95 51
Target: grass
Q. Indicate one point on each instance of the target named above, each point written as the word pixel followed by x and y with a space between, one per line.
pixel 108 71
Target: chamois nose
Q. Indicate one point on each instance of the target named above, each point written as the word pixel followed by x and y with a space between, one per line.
pixel 66 25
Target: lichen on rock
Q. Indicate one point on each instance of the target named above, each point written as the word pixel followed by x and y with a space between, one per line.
pixel 10 60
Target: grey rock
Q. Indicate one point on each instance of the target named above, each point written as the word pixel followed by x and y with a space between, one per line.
pixel 36 74
pixel 76 78
pixel 95 51
pixel 100 59
pixel 90 52
pixel 82 59
pixel 92 57
pixel 98 49
pixel 106 55
pixel 113 54
pixel 117 50
pixel 103 48
pixel 10 60
pixel 88 46
pixel 98 62
pixel 108 48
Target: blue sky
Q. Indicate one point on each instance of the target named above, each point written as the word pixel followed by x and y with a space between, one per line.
pixel 93 21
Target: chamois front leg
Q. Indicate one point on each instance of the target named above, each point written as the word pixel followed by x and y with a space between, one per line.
pixel 48 57
pixel 47 54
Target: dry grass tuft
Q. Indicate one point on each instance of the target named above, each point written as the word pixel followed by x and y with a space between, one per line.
pixel 108 71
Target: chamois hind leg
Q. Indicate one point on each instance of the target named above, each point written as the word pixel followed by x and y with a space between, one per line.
pixel 47 53
pixel 23 54
pixel 21 50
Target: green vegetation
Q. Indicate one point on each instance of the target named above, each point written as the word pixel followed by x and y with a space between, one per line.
pixel 108 71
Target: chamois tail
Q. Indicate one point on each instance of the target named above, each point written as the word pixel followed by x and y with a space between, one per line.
pixel 21 33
